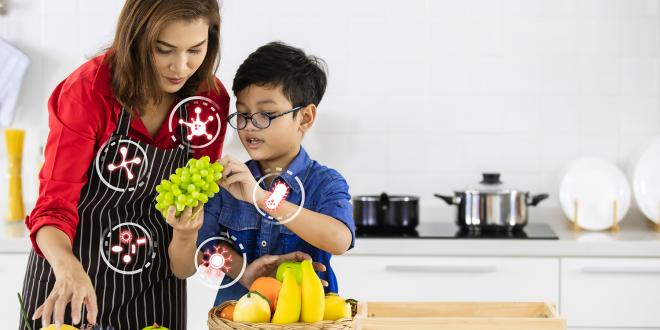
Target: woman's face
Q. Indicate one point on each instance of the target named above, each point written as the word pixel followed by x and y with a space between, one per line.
pixel 180 50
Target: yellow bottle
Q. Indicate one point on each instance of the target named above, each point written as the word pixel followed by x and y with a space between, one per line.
pixel 14 140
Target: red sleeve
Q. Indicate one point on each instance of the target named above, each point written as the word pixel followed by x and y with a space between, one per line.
pixel 214 151
pixel 69 151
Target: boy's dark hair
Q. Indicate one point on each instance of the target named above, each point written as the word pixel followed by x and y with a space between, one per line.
pixel 302 77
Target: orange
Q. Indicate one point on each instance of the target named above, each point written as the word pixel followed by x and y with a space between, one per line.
pixel 269 288
pixel 228 312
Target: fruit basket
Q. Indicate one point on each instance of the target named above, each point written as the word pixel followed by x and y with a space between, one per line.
pixel 215 322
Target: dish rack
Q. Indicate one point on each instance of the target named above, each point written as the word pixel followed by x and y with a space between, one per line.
pixel 615 217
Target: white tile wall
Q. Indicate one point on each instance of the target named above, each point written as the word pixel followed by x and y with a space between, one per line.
pixel 423 94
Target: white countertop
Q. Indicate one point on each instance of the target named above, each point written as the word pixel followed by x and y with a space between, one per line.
pixel 636 238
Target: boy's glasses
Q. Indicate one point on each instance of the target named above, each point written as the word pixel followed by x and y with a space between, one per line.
pixel 260 120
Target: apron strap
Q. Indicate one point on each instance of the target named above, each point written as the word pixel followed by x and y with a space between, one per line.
pixel 124 123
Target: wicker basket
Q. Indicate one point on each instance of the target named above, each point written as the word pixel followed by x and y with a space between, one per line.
pixel 215 322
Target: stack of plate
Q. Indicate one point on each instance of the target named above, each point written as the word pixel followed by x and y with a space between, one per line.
pixel 599 189
pixel 645 176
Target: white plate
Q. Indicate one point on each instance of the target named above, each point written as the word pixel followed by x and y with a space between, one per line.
pixel 595 184
pixel 646 181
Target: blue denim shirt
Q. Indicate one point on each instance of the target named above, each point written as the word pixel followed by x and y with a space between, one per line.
pixel 326 192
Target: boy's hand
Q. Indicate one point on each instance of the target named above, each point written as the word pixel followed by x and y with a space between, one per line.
pixel 190 221
pixel 267 266
pixel 238 180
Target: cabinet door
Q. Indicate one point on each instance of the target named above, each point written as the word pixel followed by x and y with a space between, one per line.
pixel 200 301
pixel 380 278
pixel 12 270
pixel 597 292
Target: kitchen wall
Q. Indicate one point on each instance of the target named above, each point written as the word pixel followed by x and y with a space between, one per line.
pixel 423 95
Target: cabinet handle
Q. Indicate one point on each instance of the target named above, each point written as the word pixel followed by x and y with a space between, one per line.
pixel 620 270
pixel 442 268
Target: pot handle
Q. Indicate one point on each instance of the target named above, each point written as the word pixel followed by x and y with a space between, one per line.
pixel 450 200
pixel 537 199
pixel 384 202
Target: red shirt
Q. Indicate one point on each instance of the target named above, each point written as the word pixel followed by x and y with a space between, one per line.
pixel 83 114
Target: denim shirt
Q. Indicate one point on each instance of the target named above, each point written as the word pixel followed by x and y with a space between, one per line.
pixel 325 191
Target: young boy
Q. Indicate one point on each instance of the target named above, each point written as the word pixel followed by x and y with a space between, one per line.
pixel 304 208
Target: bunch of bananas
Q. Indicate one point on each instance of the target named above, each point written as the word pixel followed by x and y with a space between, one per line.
pixel 299 298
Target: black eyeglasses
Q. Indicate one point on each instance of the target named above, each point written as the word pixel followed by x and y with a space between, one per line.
pixel 260 120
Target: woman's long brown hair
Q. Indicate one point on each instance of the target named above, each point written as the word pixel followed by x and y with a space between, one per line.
pixel 131 55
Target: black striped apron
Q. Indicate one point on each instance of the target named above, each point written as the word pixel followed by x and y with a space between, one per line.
pixel 121 239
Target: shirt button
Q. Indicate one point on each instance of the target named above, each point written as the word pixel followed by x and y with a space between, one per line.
pixel 263 243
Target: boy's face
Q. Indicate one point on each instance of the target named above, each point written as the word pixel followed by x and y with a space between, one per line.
pixel 284 134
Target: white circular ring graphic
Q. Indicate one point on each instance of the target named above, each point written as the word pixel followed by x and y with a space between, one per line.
pixel 120 271
pixel 295 214
pixel 143 168
pixel 221 286
pixel 214 107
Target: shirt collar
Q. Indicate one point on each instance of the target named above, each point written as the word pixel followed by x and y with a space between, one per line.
pixel 297 169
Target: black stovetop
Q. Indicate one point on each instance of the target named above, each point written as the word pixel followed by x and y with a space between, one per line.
pixel 452 231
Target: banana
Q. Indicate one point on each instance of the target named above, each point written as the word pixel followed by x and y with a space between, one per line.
pixel 313 296
pixel 288 301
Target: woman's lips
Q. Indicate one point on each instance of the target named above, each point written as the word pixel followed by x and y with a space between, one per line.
pixel 175 81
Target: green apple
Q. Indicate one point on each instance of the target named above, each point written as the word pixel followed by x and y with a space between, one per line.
pixel 155 327
pixel 293 265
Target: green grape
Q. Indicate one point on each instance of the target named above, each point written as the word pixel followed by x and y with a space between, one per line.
pixel 189 186
pixel 217 167
pixel 203 198
pixel 180 207
pixel 166 184
pixel 185 178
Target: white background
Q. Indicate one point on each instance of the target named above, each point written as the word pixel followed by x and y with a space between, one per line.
pixel 423 95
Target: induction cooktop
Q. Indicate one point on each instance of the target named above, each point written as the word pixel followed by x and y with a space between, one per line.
pixel 444 230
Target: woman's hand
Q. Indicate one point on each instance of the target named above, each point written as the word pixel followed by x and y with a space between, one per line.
pixel 267 266
pixel 238 180
pixel 188 223
pixel 72 285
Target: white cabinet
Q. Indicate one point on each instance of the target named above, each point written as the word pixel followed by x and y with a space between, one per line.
pixel 200 301
pixel 604 292
pixel 382 278
pixel 12 270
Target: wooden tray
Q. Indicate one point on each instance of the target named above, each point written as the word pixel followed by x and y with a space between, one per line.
pixel 458 316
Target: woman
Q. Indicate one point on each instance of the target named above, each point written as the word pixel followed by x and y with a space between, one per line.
pixel 99 247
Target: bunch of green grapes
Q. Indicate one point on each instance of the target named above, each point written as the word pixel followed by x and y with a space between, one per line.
pixel 189 186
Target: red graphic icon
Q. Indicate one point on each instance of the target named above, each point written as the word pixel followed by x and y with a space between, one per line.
pixel 124 163
pixel 217 260
pixel 278 194
pixel 126 238
pixel 196 126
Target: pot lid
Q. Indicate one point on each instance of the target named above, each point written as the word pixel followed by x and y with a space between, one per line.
pixel 491 184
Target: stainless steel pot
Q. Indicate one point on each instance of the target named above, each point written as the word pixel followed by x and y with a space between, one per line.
pixel 386 213
pixel 492 206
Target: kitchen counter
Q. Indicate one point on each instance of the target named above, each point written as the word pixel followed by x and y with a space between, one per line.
pixel 636 238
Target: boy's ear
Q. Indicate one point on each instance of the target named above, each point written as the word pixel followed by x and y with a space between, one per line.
pixel 307 117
